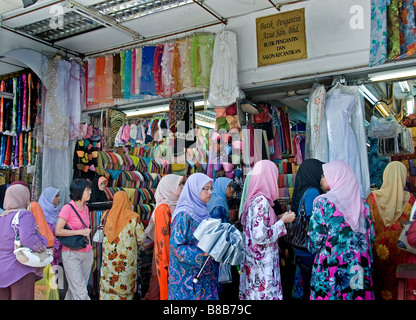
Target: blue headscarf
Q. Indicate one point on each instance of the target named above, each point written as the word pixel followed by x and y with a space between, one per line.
pixel 50 211
pixel 190 199
pixel 218 198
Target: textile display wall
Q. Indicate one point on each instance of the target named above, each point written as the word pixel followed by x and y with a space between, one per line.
pixel 160 70
pixel 392 30
pixel 17 120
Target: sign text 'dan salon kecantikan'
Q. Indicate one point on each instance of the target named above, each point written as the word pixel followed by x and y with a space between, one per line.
pixel 281 38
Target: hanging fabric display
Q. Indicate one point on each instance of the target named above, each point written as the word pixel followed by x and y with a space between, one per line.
pixel 316 131
pixel 147 82
pixel 201 58
pixel 167 75
pixel 224 89
pixel 378 49
pixel 344 112
pixel 16 147
pixel 393 29
pixel 181 125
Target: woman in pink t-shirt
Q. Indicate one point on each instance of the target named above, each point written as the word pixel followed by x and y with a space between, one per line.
pixel 77 263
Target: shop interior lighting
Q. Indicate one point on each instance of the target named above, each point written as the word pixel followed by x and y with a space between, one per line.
pixel 146 111
pixel 78 21
pixel 102 19
pixel 404 85
pixel 410 104
pixel 394 74
pixel 373 100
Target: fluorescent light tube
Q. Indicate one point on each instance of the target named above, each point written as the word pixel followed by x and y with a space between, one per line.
pixel 410 104
pixel 394 74
pixel 143 111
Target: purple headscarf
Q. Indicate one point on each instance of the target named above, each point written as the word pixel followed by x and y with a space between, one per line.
pixel 190 199
pixel 50 211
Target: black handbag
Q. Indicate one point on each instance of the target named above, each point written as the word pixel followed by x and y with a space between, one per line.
pixel 298 231
pixel 76 242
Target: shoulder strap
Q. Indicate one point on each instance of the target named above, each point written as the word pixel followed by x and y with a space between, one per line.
pixel 302 200
pixel 78 215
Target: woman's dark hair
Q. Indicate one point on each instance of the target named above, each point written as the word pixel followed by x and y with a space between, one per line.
pixel 77 188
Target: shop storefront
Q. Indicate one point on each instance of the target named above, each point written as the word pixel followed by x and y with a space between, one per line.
pixel 284 83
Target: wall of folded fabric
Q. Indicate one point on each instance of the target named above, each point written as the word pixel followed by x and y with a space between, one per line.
pixel 157 70
pixel 287 176
pixel 17 120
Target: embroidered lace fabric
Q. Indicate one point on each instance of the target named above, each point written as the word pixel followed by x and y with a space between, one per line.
pixel 224 81
pixel 56 134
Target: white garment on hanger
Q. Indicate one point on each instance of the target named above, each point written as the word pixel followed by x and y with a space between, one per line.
pixel 224 89
pixel 346 132
pixel 316 131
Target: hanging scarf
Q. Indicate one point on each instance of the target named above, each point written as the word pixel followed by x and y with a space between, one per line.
pixel 190 199
pixel 119 215
pixel 391 198
pixel 344 193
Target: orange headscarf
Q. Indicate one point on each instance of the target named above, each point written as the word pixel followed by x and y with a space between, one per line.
pixel 119 215
pixel 43 226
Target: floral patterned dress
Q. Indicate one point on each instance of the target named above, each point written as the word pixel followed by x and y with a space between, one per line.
pixel 119 264
pixel 260 270
pixel 342 267
pixel 387 256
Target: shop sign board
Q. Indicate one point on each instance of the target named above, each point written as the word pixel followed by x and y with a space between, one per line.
pixel 281 38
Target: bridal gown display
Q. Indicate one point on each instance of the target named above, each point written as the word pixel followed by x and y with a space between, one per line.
pixel 346 132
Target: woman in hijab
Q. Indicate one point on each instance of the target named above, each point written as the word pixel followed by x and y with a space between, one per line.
pixel 390 208
pixel 260 270
pixel 340 236
pixel 167 194
pixel 307 187
pixel 123 233
pixel 49 201
pixel 218 209
pixel 218 205
pixel 17 281
pixel 186 259
pixel 97 189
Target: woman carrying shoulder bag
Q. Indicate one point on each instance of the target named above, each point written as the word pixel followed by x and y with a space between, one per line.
pixel 77 263
pixel 17 281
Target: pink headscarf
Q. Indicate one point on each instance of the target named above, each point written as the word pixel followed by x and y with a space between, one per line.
pixel 263 182
pixel 344 193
